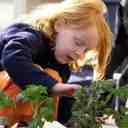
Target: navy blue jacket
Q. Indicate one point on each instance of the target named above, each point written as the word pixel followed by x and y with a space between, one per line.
pixel 21 46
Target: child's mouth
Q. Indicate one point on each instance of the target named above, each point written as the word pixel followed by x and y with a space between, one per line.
pixel 71 59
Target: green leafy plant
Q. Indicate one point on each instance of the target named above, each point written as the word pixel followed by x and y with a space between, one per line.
pixel 95 101
pixel 42 104
pixel 90 102
pixel 5 101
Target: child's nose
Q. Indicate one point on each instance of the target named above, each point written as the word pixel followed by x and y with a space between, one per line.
pixel 80 55
pixel 80 51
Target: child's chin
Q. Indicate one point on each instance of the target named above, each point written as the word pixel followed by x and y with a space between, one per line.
pixel 64 62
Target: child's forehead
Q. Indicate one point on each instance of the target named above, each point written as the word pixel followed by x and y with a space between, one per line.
pixel 82 34
pixel 86 32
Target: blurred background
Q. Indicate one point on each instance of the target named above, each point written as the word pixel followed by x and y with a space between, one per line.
pixel 11 9
pixel 6 12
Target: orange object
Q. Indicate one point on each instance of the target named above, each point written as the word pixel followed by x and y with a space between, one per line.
pixel 55 75
pixel 23 111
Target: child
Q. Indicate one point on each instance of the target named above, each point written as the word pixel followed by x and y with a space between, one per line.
pixel 57 39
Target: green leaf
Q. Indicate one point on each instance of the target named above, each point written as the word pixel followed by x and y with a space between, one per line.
pixel 121 92
pixel 5 101
pixel 47 113
pixel 123 123
pixel 43 104
pixel 33 93
pixel 94 100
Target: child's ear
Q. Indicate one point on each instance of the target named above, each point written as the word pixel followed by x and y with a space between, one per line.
pixel 59 25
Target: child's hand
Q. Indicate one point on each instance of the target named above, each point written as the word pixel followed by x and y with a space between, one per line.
pixel 62 89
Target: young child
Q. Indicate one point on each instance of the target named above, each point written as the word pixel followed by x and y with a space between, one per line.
pixel 59 36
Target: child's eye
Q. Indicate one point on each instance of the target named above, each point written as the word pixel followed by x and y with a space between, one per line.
pixel 85 50
pixel 77 43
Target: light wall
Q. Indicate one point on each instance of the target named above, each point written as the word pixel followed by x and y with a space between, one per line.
pixel 24 6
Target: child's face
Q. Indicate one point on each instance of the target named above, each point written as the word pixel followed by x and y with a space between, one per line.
pixel 71 44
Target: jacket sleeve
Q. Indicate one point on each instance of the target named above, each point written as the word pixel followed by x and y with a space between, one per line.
pixel 17 60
